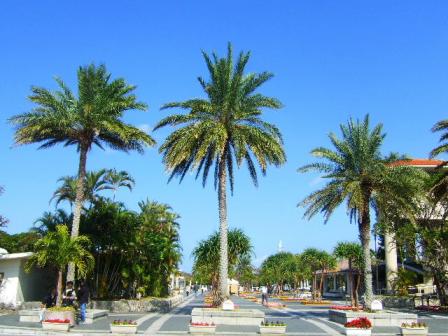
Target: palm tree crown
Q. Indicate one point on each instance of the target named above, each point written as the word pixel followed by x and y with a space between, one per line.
pixel 226 126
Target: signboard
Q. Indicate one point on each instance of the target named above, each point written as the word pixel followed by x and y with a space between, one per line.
pixel 376 305
pixel 228 305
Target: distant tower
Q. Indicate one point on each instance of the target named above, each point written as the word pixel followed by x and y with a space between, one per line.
pixel 280 246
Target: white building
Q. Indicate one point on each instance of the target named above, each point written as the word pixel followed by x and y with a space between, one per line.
pixel 17 286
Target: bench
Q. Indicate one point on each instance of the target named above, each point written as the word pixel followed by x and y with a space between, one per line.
pixel 33 315
pixel 94 314
pixel 30 315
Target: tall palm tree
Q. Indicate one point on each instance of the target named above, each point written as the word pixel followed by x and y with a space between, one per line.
pixel 118 179
pixel 223 129
pixel 94 117
pixel 359 174
pixel 58 249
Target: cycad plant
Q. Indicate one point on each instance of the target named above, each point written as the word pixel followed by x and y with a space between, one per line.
pixel 93 117
pixel 58 249
pixel 222 130
pixel 357 173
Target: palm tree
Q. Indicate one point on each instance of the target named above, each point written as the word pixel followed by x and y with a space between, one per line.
pixel 224 128
pixel 92 118
pixel 49 221
pixel 116 180
pixel 207 255
pixel 353 253
pixel 58 249
pixel 359 174
pixel 441 126
pixel 95 181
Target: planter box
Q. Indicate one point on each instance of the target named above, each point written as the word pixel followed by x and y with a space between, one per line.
pixel 413 331
pixel 56 326
pixel 60 315
pixel 358 332
pixel 272 330
pixel 200 330
pixel 123 329
pixel 384 318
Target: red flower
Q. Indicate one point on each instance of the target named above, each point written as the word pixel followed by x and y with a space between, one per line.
pixel 360 323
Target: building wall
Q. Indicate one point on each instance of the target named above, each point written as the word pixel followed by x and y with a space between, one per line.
pixel 9 288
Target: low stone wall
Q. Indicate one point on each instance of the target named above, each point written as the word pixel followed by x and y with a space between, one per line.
pixel 161 305
pixel 397 302
pixel 383 318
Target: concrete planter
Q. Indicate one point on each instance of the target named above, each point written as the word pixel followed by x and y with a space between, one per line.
pixel 413 331
pixel 56 326
pixel 202 330
pixel 60 315
pixel 277 330
pixel 384 318
pixel 123 329
pixel 358 332
pixel 218 316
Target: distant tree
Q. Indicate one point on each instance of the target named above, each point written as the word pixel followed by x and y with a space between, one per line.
pixel 352 252
pixel 118 179
pixel 318 261
pixel 49 221
pixel 94 118
pixel 207 255
pixel 221 130
pixel 58 249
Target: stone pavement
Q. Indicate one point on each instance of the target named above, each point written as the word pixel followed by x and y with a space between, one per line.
pixel 301 320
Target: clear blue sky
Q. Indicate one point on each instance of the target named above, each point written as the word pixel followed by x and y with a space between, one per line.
pixel 332 60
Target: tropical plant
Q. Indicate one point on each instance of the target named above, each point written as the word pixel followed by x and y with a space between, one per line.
pixel 58 249
pixel 441 126
pixel 49 221
pixel 92 118
pixel 360 175
pixel 223 129
pixel 207 255
pixel 352 252
pixel 319 261
pixel 118 179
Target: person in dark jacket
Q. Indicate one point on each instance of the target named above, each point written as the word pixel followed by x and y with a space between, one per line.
pixel 83 298
pixel 50 299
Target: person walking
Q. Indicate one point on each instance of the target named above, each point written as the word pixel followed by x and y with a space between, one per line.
pixel 83 299
pixel 264 295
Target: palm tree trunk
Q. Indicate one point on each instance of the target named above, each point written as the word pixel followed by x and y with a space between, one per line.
pixel 222 200
pixel 351 282
pixel 364 231
pixel 78 204
pixel 59 289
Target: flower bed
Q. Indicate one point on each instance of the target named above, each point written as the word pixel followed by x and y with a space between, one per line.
pixel 349 308
pixel 56 324
pixel 123 327
pixel 442 309
pixel 416 328
pixel 202 328
pixel 273 327
pixel 358 327
pixel 315 302
pixel 60 313
pixel 275 305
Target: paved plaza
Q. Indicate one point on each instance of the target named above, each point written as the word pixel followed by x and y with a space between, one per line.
pixel 301 320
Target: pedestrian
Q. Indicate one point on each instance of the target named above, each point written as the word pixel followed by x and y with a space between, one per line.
pixel 69 295
pixel 83 298
pixel 264 295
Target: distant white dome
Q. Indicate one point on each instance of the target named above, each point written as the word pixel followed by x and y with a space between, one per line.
pixel 3 251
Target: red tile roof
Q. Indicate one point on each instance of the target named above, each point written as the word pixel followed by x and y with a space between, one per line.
pixel 419 162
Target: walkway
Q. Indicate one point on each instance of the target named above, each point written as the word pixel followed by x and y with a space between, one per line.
pixel 301 320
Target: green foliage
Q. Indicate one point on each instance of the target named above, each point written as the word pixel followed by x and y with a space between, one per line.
pixel 352 252
pixel 441 126
pixel 206 255
pixel 58 249
pixel 405 278
pixel 19 242
pixel 226 126
pixel 358 174
pixel 284 268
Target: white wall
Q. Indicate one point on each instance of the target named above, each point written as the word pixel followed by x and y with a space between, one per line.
pixel 9 288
